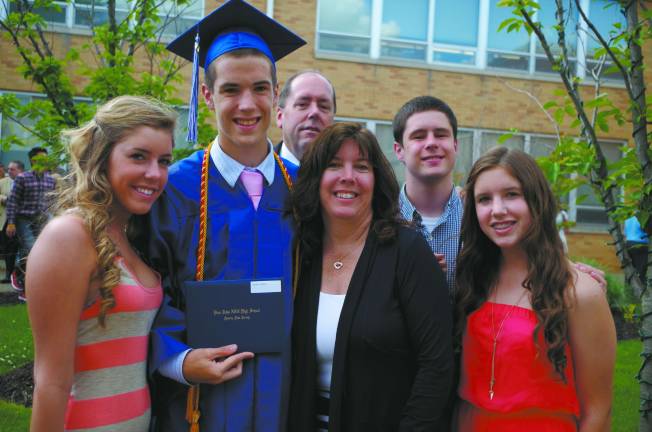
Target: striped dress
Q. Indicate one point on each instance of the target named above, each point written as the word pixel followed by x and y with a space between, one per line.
pixel 110 391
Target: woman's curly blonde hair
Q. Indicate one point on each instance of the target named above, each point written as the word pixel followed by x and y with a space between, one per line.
pixel 86 188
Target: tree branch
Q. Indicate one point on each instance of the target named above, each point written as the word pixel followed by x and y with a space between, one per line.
pixel 20 123
pixel 599 170
pixel 539 104
pixel 607 48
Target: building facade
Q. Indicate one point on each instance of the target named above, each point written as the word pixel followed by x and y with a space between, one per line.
pixel 380 53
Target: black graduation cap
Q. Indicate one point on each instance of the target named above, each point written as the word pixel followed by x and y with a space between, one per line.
pixel 236 17
pixel 234 25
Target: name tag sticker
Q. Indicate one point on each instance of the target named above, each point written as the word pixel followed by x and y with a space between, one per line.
pixel 261 287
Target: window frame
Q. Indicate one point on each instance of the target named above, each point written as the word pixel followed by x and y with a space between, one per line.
pixel 70 9
pixel 580 58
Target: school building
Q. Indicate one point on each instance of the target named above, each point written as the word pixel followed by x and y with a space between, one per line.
pixel 380 53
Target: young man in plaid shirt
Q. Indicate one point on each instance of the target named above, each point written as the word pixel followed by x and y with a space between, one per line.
pixel 425 140
pixel 27 210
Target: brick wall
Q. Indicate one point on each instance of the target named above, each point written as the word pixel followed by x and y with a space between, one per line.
pixel 595 246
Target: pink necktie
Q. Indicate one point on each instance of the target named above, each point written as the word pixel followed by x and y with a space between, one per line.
pixel 253 182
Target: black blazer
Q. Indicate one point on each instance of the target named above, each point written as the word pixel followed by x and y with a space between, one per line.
pixel 393 360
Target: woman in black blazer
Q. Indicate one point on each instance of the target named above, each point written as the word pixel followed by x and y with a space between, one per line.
pixel 372 326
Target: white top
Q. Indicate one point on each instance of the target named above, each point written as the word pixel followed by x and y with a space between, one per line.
pixel 430 222
pixel 286 154
pixel 328 316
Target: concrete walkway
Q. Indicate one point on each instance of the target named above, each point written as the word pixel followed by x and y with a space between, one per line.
pixel 4 287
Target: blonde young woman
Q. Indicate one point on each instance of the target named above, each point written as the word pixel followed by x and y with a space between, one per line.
pixel 91 297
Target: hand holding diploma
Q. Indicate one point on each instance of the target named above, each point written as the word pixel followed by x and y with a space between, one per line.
pixel 214 365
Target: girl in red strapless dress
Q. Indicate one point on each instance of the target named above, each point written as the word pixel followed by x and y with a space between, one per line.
pixel 528 393
pixel 529 324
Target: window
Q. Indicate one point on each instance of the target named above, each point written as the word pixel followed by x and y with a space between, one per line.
pixel 95 12
pixel 345 26
pixel 464 160
pixel 490 140
pixel 404 29
pixel 506 50
pixel 9 127
pixel 463 34
pixel 455 32
pixel 605 16
pixel 546 16
pixel 82 14
pixel 589 209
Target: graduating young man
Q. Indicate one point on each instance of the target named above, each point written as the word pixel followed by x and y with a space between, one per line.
pixel 240 236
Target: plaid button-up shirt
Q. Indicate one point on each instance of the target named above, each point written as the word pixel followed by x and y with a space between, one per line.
pixel 445 236
pixel 29 195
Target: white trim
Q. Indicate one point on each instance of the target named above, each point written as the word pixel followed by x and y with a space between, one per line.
pixel 483 28
pixel 452 67
pixel 70 16
pixel 376 28
pixel 532 52
pixel 270 8
pixel 430 32
pixel 582 41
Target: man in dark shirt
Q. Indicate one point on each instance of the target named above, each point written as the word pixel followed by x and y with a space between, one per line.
pixel 27 209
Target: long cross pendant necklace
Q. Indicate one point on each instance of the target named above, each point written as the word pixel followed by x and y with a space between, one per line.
pixel 495 335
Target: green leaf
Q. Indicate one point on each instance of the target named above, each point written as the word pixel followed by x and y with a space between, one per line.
pixel 504 137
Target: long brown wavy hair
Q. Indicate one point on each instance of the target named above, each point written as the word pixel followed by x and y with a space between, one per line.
pixel 86 189
pixel 549 277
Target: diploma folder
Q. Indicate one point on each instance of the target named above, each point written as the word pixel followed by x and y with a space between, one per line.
pixel 243 312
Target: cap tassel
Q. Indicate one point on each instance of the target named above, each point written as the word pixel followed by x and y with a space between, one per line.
pixel 194 92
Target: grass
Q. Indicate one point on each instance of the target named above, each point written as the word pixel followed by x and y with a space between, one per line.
pixel 626 390
pixel 14 418
pixel 16 350
pixel 15 338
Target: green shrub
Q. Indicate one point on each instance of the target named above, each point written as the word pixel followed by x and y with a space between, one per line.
pixel 619 294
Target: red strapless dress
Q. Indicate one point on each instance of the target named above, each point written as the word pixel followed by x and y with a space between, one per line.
pixel 528 394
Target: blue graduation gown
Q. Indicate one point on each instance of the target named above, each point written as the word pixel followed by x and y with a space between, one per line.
pixel 242 243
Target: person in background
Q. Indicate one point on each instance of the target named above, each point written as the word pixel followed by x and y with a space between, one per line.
pixel 8 245
pixel 27 209
pixel 637 246
pixel 528 321
pixel 372 331
pixel 92 306
pixel 425 141
pixel 306 105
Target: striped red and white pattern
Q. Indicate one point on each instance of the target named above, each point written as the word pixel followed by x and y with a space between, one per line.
pixel 110 390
